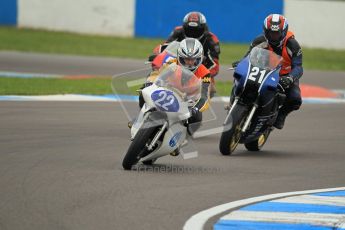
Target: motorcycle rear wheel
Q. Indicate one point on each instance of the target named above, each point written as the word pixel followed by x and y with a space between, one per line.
pixel 259 143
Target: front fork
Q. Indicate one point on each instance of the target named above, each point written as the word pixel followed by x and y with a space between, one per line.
pixel 157 136
pixel 249 117
pixel 230 109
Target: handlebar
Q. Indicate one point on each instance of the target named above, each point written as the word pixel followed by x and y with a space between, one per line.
pixel 280 88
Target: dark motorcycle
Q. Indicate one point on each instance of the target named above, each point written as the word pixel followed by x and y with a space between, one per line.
pixel 255 101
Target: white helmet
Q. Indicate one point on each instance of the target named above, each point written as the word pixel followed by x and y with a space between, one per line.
pixel 190 54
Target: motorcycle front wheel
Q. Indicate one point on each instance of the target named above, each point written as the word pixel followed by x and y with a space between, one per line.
pixel 232 129
pixel 138 146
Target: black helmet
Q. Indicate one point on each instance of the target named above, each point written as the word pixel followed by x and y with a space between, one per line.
pixel 275 29
pixel 194 25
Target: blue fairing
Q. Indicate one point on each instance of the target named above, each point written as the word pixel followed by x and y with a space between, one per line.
pixel 270 82
pixel 241 72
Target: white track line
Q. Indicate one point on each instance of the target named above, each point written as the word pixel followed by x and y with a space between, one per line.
pixel 28 75
pixel 62 97
pixel 318 200
pixel 197 221
pixel 285 217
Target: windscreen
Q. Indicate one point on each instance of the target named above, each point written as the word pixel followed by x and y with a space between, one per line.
pixel 264 59
pixel 181 81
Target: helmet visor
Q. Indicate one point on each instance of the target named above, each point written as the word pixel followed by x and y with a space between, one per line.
pixel 274 37
pixel 194 31
pixel 190 63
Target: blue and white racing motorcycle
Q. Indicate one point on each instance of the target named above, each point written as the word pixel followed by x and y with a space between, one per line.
pixel 161 127
pixel 254 103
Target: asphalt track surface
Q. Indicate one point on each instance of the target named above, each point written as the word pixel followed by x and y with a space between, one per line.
pixel 60 166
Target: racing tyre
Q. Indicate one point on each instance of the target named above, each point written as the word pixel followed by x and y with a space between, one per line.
pixel 259 143
pixel 137 148
pixel 232 129
pixel 149 162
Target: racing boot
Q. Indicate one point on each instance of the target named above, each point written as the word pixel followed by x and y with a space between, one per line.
pixel 130 123
pixel 280 121
pixel 176 152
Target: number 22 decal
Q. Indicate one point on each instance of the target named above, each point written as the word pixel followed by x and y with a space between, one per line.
pixel 164 97
pixel 254 71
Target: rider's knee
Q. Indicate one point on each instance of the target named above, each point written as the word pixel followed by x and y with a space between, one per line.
pixel 294 103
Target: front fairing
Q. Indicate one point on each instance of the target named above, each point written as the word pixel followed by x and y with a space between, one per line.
pixel 173 92
pixel 257 73
pixel 271 81
pixel 241 72
pixel 178 109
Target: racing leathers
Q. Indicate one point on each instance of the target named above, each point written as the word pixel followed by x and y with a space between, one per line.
pixel 202 104
pixel 211 47
pixel 290 73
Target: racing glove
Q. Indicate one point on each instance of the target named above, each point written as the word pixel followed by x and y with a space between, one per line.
pixel 286 82
pixel 152 57
pixel 235 63
pixel 193 111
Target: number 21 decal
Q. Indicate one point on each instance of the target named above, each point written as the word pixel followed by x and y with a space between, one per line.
pixel 254 72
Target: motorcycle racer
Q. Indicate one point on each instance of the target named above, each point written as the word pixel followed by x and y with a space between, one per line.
pixel 195 26
pixel 189 56
pixel 277 38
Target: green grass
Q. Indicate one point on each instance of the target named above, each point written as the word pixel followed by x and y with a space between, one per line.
pixel 223 88
pixel 29 40
pixel 68 43
pixel 44 86
pixel 95 86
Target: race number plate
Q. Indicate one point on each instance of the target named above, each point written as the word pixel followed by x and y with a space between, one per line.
pixel 165 101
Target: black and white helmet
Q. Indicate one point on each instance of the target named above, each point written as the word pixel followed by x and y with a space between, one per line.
pixel 190 54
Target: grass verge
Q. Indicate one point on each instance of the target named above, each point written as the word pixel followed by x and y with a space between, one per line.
pixel 29 40
pixel 93 86
pixel 44 86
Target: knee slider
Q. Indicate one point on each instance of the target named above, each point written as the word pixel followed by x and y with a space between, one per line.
pixel 296 104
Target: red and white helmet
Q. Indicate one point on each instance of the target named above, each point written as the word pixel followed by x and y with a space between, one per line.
pixel 275 29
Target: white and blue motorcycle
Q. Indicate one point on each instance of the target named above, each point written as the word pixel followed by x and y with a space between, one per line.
pixel 161 127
